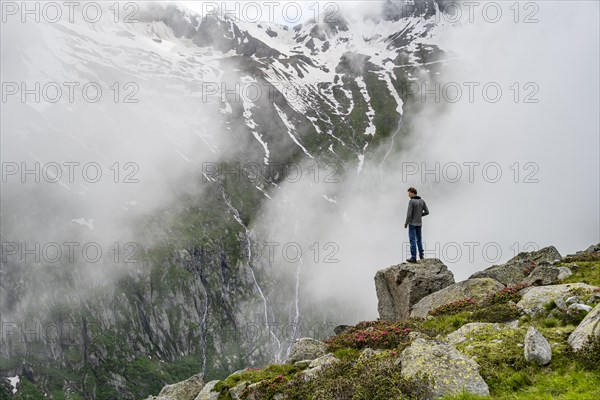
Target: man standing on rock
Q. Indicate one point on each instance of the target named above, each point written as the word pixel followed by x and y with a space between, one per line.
pixel 416 210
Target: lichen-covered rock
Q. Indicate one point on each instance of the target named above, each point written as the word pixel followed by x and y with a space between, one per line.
pixel 564 273
pixel 543 274
pixel 534 298
pixel 236 391
pixel 516 270
pixel 590 326
pixel 185 390
pixel 580 307
pixel 306 349
pixel 317 366
pixel 536 347
pixel 327 359
pixel 450 370
pixel 461 334
pixel 400 286
pixel 478 289
pixel 206 393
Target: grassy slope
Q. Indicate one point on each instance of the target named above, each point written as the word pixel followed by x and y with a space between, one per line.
pixel 499 353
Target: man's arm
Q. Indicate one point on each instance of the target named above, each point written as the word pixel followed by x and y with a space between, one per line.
pixel 409 212
pixel 425 209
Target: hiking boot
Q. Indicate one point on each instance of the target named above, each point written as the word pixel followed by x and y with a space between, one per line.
pixel 421 256
pixel 411 260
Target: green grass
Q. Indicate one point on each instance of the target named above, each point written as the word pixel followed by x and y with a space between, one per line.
pixel 587 272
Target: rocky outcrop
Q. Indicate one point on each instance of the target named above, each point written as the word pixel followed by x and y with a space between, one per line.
pixel 400 286
pixel 589 327
pixel 317 365
pixel 477 289
pixel 535 298
pixel 206 393
pixel 451 371
pixel 462 334
pixel 186 390
pixel 306 349
pixel 536 347
pixel 517 269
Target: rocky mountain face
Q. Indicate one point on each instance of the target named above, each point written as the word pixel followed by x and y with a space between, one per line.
pixel 457 345
pixel 198 299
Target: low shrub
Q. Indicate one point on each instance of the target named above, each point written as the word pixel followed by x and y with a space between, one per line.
pixel 377 377
pixel 374 334
pixel 505 295
pixel 454 307
pixel 496 313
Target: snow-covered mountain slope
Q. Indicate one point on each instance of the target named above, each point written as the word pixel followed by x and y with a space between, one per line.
pixel 178 92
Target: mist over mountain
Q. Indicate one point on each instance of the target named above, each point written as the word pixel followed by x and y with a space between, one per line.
pixel 186 192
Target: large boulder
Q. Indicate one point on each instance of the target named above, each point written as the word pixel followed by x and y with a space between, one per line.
pixel 450 371
pixel 317 365
pixel 589 327
pixel 306 349
pixel 185 390
pixel 400 286
pixel 536 347
pixel 535 298
pixel 462 334
pixel 517 269
pixel 206 393
pixel 477 289
pixel 545 274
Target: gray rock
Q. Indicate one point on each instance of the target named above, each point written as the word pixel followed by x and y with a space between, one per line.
pixel 341 329
pixel 513 324
pixel 236 391
pixel 367 353
pixel 206 393
pixel 326 360
pixel 564 273
pixel 534 298
pixel 317 366
pixel 302 363
pixel 589 327
pixel 450 370
pixel 573 299
pixel 478 289
pixel 543 274
pixel 306 349
pixel 580 307
pixel 561 305
pixel 400 286
pixel 461 334
pixel 185 390
pixel 514 271
pixel 536 347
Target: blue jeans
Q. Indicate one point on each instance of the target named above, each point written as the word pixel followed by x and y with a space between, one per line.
pixel 414 236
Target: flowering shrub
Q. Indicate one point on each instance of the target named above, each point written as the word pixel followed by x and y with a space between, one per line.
pixel 374 334
pixel 505 295
pixel 454 307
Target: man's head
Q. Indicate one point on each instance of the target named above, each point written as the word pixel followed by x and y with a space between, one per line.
pixel 412 192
